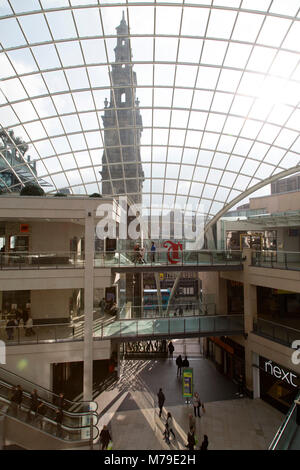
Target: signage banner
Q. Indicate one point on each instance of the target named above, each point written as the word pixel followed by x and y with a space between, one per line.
pixel 187 383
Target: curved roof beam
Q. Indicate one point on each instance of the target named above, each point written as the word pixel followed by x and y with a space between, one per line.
pixel 249 191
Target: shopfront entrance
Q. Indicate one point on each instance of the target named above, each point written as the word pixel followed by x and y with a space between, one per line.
pixel 278 385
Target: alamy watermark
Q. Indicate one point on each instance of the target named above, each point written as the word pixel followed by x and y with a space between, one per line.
pixel 296 354
pixel 2 352
pixel 178 223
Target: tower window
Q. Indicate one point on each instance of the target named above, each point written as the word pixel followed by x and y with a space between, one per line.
pixel 123 42
pixel 123 66
pixel 123 97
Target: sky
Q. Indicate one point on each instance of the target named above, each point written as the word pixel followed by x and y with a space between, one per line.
pixel 218 84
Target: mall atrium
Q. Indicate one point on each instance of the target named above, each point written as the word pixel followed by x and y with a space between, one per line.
pixel 149 195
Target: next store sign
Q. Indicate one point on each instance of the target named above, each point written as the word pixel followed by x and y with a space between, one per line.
pixel 280 373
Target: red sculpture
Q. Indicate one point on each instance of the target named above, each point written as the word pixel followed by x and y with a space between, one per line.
pixel 173 251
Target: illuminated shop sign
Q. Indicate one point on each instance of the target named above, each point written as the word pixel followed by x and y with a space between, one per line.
pixel 279 373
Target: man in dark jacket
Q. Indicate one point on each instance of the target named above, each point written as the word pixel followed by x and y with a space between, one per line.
pixel 105 437
pixel 179 364
pixel 59 419
pixel 17 398
pixel 171 348
pixel 185 362
pixel 161 401
pixel 34 403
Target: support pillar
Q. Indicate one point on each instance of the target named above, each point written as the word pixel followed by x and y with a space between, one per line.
pixel 88 307
pixel 159 298
pixel 255 372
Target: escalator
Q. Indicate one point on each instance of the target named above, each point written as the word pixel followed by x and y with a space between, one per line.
pixel 288 435
pixel 32 431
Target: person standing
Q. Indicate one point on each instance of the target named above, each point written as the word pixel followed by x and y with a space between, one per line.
pixel 161 401
pixel 10 326
pixel 185 362
pixel 105 437
pixel 171 349
pixel 196 404
pixel 16 399
pixel 179 365
pixel 34 402
pixel 153 250
pixel 59 419
pixel 204 444
pixel 41 411
pixel 102 305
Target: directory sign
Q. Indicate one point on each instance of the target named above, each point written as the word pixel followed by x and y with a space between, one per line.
pixel 187 383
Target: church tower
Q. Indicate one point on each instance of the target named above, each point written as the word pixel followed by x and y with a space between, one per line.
pixel 122 171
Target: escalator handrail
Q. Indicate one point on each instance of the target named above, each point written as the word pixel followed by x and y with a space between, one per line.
pixel 36 386
pixel 46 418
pixel 71 414
pixel 283 426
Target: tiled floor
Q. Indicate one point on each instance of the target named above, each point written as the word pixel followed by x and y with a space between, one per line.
pixel 130 407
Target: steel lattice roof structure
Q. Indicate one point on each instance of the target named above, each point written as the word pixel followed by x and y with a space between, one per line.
pixel 218 85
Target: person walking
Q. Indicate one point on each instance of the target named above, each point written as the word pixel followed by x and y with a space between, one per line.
pixel 179 365
pixel 192 422
pixel 196 404
pixel 191 439
pixel 171 349
pixel 204 444
pixel 105 437
pixel 161 401
pixel 185 362
pixel 153 250
pixel 169 424
pixel 28 327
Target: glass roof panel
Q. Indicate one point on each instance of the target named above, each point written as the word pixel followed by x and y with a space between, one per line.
pixel 210 91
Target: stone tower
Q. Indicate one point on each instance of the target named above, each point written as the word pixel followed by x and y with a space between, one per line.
pixel 122 126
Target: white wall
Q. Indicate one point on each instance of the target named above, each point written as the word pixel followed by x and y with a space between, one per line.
pixel 53 236
pixel 50 303
pixel 33 362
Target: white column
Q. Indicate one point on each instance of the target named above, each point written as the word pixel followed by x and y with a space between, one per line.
pixel 256 383
pixel 88 306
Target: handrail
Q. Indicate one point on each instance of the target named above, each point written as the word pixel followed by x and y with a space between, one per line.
pixel 283 426
pixel 278 324
pixel 71 430
pixel 33 386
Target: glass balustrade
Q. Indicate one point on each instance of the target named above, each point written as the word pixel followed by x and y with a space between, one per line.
pixel 288 435
pixel 79 418
pixel 128 258
pixel 280 333
pixel 276 259
pixel 189 322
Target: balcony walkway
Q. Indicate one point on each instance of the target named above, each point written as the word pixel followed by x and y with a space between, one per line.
pixel 133 329
pixel 124 261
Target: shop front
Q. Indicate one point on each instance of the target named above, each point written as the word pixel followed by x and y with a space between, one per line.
pixel 278 385
pixel 228 356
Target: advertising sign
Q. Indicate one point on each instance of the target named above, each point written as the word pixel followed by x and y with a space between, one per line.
pixel 187 383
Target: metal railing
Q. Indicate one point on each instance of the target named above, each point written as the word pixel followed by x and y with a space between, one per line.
pixel 276 331
pixel 48 333
pixel 60 260
pixel 172 327
pixel 173 310
pixel 276 259
pixel 41 260
pixel 156 326
pixel 77 425
pixel 285 434
pixel 164 258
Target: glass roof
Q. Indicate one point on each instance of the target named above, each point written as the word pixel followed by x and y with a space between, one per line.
pixel 217 88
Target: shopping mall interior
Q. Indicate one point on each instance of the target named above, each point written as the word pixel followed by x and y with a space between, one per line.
pixel 149 210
